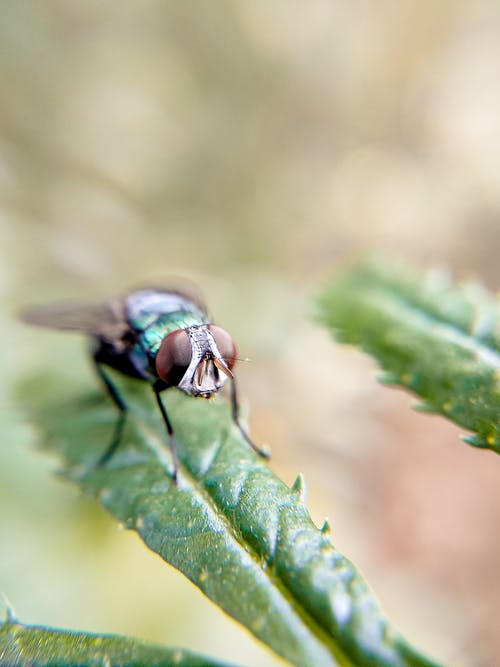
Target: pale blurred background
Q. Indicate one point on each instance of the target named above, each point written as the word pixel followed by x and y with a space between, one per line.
pixel 253 147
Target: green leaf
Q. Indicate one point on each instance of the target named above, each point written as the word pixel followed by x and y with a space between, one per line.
pixel 442 343
pixel 37 646
pixel 231 526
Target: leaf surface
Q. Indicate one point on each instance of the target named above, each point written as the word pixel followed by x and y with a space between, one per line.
pixel 36 646
pixel 231 526
pixel 439 341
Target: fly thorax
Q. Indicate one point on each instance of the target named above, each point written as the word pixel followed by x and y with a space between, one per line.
pixel 208 370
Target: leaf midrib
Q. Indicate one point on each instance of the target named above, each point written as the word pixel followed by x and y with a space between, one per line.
pixel 199 489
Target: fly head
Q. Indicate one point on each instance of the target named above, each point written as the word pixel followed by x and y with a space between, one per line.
pixel 198 360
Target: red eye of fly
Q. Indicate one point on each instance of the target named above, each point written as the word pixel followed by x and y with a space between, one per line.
pixel 225 344
pixel 173 357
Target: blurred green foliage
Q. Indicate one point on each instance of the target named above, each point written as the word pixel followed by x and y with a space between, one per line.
pixel 441 343
pixel 45 647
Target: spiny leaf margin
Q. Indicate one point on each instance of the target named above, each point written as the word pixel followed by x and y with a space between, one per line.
pixel 231 526
pixel 439 341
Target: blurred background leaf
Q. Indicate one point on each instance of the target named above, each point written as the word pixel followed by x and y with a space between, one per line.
pixel 251 146
pixel 46 647
pixel 441 343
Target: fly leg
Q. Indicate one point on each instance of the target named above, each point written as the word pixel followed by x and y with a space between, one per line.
pixel 170 430
pixel 122 415
pixel 235 410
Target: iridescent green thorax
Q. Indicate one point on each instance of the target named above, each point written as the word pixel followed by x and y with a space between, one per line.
pixel 152 337
pixel 153 315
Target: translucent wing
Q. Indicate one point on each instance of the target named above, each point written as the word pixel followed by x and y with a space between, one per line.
pixel 106 320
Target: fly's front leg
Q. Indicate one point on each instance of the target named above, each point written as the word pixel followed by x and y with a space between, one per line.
pixel 122 414
pixel 235 409
pixel 170 431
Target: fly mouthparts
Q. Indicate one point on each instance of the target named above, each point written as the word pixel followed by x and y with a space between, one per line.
pixel 222 367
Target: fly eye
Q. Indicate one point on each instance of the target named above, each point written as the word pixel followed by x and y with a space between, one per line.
pixel 225 344
pixel 173 357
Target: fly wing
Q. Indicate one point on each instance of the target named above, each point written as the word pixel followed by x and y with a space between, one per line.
pixel 106 320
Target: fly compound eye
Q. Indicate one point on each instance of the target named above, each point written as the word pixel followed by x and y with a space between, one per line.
pixel 174 356
pixel 225 344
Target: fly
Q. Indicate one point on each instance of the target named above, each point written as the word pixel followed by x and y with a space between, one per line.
pixel 160 336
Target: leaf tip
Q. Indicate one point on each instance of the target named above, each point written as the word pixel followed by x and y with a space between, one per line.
pixel 10 614
pixel 298 488
pixel 326 528
pixel 424 407
pixel 475 441
pixel 389 378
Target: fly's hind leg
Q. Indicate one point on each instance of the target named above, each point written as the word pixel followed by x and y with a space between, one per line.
pixel 235 410
pixel 122 415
